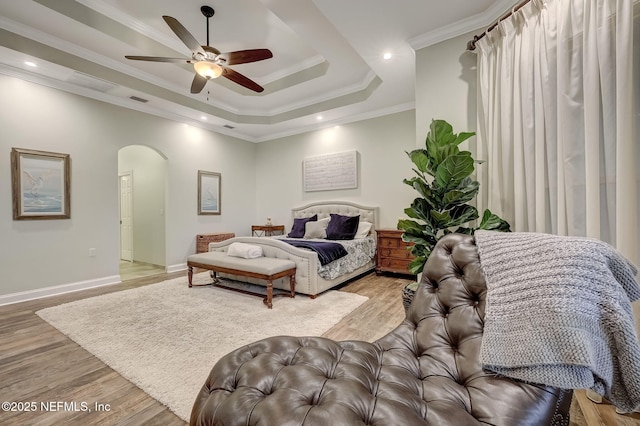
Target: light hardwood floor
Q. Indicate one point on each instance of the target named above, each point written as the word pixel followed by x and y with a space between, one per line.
pixel 39 364
pixel 135 269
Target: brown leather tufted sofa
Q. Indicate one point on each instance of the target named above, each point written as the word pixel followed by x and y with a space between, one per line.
pixel 425 372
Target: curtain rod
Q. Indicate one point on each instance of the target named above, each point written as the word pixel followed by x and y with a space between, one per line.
pixel 471 44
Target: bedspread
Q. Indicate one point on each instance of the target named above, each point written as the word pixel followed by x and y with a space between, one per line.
pixel 360 251
pixel 327 251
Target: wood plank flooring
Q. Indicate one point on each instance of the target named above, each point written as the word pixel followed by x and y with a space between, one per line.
pixel 39 364
pixel 135 269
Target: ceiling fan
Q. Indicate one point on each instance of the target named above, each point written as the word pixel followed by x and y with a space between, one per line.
pixel 207 61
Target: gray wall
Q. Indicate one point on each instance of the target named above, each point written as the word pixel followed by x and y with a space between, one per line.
pixel 44 253
pixel 446 87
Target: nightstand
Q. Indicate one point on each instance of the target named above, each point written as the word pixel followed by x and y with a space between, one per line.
pixel 266 230
pixel 393 254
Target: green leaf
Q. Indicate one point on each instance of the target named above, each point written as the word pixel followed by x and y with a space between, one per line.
pixel 409 225
pixel 416 181
pixel 417 265
pixel 409 211
pixel 463 136
pixel 441 132
pixel 421 208
pixel 419 185
pixel 419 241
pixel 440 219
pixel 464 230
pixel 462 214
pixel 421 234
pixel 467 189
pixel 420 158
pixel 469 184
pixel 409 181
pixel 493 222
pixel 437 154
pixel 452 171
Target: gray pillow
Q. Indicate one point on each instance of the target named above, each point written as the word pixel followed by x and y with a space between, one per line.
pixel 316 229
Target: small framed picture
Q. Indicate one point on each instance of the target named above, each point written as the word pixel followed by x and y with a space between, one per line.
pixel 40 182
pixel 209 184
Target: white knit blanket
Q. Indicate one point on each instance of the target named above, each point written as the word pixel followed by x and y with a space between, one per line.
pixel 558 312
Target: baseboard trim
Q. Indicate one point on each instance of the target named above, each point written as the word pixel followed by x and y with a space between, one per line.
pixel 23 296
pixel 140 262
pixel 176 268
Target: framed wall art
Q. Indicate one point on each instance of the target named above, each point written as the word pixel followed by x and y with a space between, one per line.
pixel 209 184
pixel 330 171
pixel 40 184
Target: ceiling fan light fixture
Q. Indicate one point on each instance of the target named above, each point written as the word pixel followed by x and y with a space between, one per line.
pixel 208 69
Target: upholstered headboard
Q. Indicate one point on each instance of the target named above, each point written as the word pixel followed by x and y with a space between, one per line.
pixel 345 208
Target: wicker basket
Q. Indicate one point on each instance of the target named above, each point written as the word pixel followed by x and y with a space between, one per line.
pixel 203 240
pixel 408 293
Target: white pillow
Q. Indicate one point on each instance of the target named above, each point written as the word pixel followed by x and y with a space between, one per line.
pixel 363 229
pixel 316 229
pixel 247 251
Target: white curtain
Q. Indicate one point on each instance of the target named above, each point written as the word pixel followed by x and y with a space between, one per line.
pixel 558 87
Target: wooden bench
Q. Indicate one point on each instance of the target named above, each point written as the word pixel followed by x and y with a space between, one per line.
pixel 264 268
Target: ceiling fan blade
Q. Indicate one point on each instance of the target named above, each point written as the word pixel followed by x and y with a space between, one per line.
pixel 184 35
pixel 198 83
pixel 245 56
pixel 236 77
pixel 156 59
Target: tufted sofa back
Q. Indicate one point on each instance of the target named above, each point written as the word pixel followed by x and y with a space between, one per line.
pixel 443 333
pixel 425 372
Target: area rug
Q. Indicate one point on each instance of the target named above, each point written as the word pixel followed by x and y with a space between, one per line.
pixel 166 337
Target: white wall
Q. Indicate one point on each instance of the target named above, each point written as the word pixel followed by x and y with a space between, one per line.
pixel 44 253
pixel 381 144
pixel 446 83
pixel 149 176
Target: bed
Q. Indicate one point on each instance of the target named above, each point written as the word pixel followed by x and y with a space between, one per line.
pixel 312 278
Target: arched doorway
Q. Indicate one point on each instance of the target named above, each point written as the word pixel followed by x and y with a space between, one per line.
pixel 142 183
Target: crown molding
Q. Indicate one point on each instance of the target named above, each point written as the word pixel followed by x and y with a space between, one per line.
pixel 472 23
pixel 341 121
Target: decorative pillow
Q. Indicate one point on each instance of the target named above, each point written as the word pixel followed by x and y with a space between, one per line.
pixel 316 229
pixel 363 229
pixel 297 230
pixel 342 227
pixel 247 251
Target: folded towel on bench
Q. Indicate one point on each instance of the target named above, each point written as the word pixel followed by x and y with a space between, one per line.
pixel 247 251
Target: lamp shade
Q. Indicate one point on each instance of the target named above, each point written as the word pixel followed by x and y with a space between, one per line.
pixel 208 69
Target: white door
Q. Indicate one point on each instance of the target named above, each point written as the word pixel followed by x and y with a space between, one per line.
pixel 126 217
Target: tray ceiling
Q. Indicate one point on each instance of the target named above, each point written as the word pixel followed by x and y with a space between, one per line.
pixel 327 56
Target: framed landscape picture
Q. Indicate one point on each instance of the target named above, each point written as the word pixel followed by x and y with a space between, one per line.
pixel 40 184
pixel 209 184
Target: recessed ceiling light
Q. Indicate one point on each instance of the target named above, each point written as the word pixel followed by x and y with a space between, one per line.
pixel 319 117
pixel 29 63
pixel 203 118
pixel 387 56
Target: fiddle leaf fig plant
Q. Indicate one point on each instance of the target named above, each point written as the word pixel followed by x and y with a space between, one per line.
pixel 443 180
